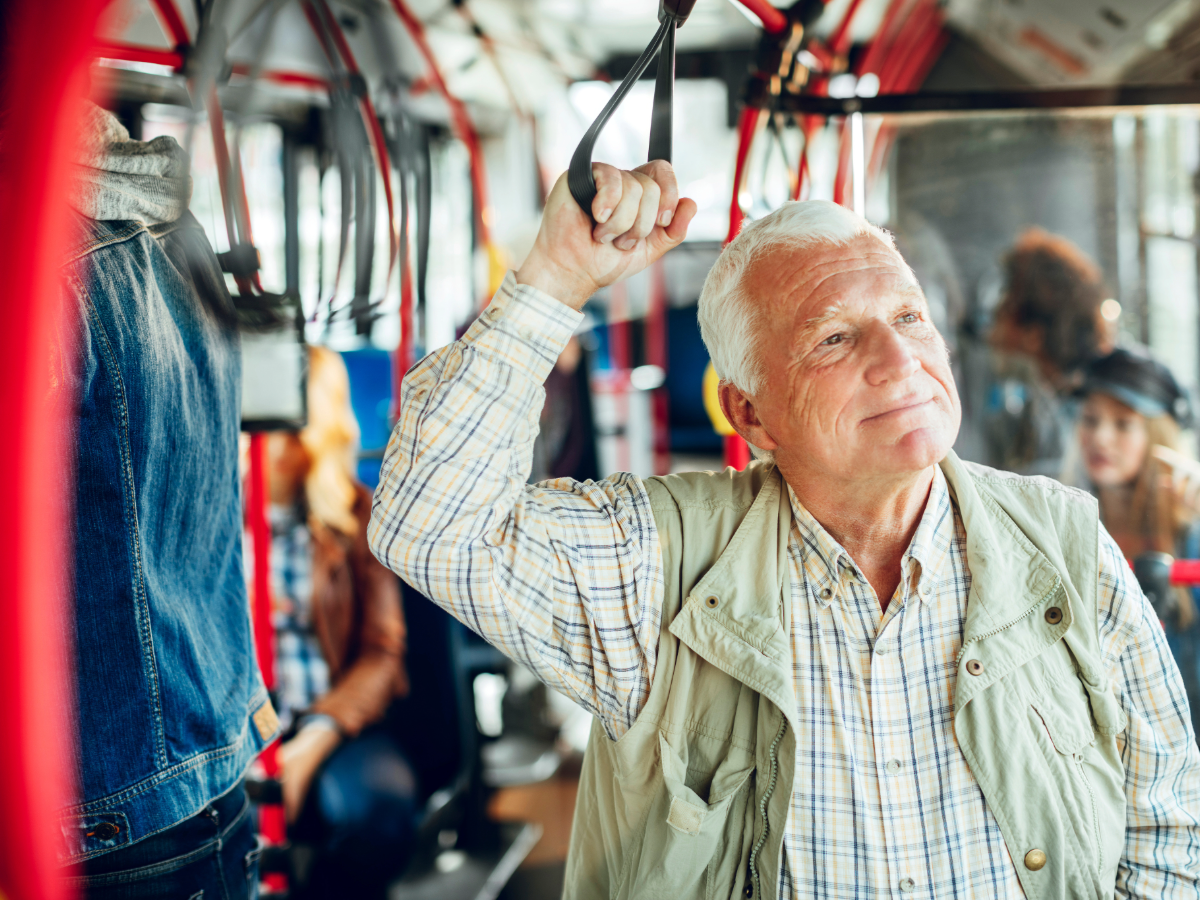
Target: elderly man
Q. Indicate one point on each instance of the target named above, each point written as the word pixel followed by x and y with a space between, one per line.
pixel 861 667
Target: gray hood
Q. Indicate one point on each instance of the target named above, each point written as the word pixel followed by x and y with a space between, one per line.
pixel 120 179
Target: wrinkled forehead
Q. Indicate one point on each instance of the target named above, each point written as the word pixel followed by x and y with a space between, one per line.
pixel 864 270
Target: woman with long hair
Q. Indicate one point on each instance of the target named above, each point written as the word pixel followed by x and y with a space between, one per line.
pixel 1131 450
pixel 348 789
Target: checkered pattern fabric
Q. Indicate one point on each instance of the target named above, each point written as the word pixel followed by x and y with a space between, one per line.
pixel 301 673
pixel 566 578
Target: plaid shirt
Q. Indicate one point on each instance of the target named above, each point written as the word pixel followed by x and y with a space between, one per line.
pixel 301 673
pixel 567 579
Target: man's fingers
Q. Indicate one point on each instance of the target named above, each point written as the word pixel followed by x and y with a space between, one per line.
pixel 608 191
pixel 624 213
pixel 647 213
pixel 664 176
pixel 685 211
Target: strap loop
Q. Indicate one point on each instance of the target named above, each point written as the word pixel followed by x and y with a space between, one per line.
pixel 671 14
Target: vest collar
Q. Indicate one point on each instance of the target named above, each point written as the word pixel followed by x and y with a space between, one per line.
pixel 738 616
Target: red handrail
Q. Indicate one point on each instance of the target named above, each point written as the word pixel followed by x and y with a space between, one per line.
pixel 45 83
pixel 173 21
pixel 748 124
pixel 134 53
pixel 271 822
pixel 1186 572
pixel 773 20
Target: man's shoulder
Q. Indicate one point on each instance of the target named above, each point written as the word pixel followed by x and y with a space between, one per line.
pixel 1008 487
pixel 727 489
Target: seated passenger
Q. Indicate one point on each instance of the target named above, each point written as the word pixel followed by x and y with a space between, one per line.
pixel 862 667
pixel 1149 490
pixel 339 633
pixel 171 707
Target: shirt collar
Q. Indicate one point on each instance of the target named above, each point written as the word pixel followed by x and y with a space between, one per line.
pixel 929 551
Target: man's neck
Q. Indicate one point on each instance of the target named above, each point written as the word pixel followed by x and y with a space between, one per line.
pixel 874 522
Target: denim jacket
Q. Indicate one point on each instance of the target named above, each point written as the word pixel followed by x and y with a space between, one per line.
pixel 171 705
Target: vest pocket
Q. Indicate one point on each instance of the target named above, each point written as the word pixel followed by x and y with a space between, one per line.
pixel 684 834
pixel 1071 734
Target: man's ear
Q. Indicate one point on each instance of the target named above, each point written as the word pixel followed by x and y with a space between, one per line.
pixel 739 409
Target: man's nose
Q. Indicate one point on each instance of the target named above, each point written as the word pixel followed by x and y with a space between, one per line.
pixel 891 356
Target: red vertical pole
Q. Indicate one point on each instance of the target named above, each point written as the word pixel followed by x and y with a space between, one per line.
pixel 737 452
pixel 44 71
pixel 656 355
pixel 271 818
pixel 748 126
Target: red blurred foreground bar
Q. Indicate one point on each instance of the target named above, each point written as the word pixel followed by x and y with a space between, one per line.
pixel 44 73
pixel 1186 572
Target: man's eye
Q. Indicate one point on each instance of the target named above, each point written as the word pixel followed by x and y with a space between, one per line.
pixel 833 339
pixel 909 318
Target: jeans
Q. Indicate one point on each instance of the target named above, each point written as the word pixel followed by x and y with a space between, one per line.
pixel 359 819
pixel 211 856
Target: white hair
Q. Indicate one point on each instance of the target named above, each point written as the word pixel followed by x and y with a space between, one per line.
pixel 729 316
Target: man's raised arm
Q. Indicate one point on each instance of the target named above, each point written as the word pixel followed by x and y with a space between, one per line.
pixel 563 576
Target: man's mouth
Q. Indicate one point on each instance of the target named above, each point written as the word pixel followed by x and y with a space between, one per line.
pixel 904 407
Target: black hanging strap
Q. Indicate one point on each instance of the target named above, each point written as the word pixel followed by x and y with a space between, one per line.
pixel 671 14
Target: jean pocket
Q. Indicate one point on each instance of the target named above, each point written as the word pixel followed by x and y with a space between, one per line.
pixel 684 833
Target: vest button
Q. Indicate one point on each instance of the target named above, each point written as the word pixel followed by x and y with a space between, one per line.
pixel 105 831
pixel 975 667
pixel 749 891
pixel 711 602
pixel 1035 859
pixel 1054 615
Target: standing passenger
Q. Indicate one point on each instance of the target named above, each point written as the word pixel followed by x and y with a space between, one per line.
pixel 864 668
pixel 171 705
pixel 1050 316
pixel 1129 439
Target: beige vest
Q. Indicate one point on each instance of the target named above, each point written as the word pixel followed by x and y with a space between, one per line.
pixel 693 800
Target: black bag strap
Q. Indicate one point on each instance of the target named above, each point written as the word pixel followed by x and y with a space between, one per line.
pixel 671 14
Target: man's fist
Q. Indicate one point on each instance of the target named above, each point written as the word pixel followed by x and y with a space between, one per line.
pixel 639 217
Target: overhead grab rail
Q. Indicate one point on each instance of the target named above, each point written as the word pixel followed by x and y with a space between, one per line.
pixel 671 14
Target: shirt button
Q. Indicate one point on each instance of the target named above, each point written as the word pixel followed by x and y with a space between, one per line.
pixel 881 649
pixel 826 593
pixel 525 333
pixel 893 766
pixel 907 885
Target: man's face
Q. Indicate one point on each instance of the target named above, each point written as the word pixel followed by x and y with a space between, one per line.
pixel 858 384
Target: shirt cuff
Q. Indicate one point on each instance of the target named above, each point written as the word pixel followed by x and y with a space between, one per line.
pixel 524 327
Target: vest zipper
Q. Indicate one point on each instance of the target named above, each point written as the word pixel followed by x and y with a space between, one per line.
pixel 762 809
pixel 979 637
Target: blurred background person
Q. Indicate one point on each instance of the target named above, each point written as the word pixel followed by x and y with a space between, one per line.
pixel 349 791
pixel 1049 325
pixel 171 708
pixel 565 446
pixel 1149 490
